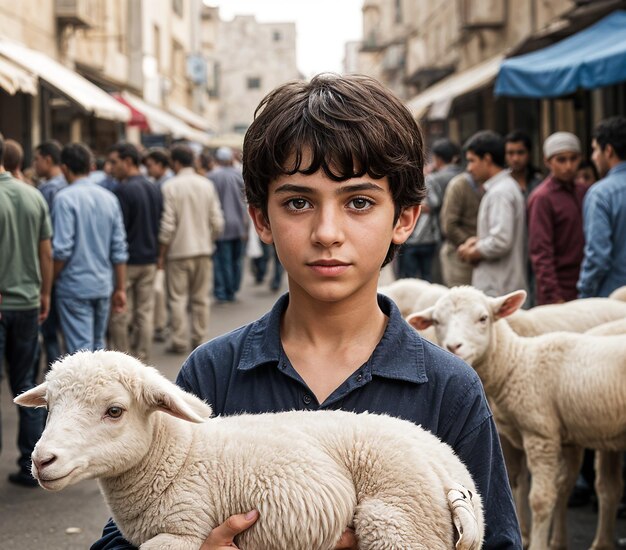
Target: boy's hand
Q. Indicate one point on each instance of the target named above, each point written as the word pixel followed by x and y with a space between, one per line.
pixel 222 536
pixel 347 541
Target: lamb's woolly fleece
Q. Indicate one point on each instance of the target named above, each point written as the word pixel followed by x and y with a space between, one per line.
pixel 614 328
pixel 412 295
pixel 310 474
pixel 619 294
pixel 555 390
pixel 575 316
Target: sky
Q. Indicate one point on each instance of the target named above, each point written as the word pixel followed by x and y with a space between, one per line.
pixel 322 26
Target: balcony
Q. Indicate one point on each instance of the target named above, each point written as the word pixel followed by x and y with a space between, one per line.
pixel 75 13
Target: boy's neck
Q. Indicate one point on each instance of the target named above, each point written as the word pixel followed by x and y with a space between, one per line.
pixel 326 342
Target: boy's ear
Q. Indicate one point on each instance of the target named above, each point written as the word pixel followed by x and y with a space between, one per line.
pixel 405 224
pixel 261 224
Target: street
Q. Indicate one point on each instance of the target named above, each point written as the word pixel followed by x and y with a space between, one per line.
pixel 72 519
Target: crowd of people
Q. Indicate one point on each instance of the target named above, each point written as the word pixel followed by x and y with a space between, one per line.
pixel 130 247
pixel 115 254
pixel 500 224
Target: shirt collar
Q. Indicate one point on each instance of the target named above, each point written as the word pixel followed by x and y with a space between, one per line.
pixel 399 355
pixel 495 179
pixel 621 167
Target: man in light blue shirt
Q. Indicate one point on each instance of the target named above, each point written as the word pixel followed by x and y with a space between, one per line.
pixel 89 245
pixel 604 213
pixel 47 166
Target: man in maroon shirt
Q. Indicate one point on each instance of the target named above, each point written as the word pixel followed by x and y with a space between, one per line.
pixel 555 222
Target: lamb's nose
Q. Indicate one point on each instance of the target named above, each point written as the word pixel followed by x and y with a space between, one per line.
pixel 42 462
pixel 453 348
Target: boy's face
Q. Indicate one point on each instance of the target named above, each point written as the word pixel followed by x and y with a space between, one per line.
pixel 332 237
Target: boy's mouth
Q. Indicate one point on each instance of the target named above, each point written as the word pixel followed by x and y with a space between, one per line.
pixel 329 268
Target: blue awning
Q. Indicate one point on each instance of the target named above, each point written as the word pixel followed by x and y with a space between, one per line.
pixel 589 59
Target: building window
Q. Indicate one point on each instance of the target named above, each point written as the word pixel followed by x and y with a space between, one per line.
pixel 254 83
pixel 277 36
pixel 178 7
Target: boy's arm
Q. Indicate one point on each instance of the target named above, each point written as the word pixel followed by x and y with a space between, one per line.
pixel 480 451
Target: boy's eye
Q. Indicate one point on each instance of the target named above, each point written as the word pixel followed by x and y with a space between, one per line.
pixel 297 204
pixel 360 203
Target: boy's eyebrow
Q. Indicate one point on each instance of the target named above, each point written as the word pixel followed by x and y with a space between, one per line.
pixel 365 186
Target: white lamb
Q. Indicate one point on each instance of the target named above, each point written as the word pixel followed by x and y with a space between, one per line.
pixel 412 295
pixel 575 316
pixel 612 328
pixel 171 478
pixel 559 393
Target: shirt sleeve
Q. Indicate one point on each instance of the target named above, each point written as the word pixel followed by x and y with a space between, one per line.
pixel 216 216
pixel 472 433
pixel 501 223
pixel 63 227
pixel 112 539
pixel 168 217
pixel 541 249
pixel 452 213
pixel 119 245
pixel 45 231
pixel 598 245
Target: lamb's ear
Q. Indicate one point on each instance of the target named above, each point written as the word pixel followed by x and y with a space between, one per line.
pixel 162 395
pixel 35 397
pixel 422 319
pixel 506 305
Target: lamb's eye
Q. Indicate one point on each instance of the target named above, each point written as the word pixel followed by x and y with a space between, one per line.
pixel 435 322
pixel 115 412
pixel 483 318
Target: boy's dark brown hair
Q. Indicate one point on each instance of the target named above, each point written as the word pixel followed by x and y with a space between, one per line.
pixel 350 125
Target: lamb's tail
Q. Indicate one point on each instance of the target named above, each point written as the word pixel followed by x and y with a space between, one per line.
pixel 464 517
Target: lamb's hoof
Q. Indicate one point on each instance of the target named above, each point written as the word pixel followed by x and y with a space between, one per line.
pixel 462 508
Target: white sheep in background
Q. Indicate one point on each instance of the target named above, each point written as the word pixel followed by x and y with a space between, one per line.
pixel 412 295
pixel 575 316
pixel 560 392
pixel 171 478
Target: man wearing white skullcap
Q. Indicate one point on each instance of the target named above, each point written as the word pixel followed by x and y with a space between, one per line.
pixel 555 223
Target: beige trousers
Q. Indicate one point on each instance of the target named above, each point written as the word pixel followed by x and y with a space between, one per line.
pixel 160 303
pixel 189 281
pixel 455 272
pixel 131 331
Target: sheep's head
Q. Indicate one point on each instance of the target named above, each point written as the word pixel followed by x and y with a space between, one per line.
pixel 99 415
pixel 463 320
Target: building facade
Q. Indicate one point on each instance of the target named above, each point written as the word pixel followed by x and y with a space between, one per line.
pixel 252 58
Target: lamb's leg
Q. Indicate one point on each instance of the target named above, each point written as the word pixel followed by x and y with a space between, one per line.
pixel 544 462
pixel 172 542
pixel 380 526
pixel 573 459
pixel 519 480
pixel 609 487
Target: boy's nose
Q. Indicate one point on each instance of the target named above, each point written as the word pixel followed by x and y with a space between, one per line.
pixel 327 230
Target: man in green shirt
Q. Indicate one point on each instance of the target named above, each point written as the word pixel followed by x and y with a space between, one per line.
pixel 25 282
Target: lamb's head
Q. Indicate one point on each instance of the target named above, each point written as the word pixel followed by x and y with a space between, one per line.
pixel 464 319
pixel 100 420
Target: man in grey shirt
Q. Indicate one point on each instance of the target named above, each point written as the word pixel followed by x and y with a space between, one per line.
pixel 499 248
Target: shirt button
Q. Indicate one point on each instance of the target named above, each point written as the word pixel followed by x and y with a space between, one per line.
pixel 307 399
pixel 359 377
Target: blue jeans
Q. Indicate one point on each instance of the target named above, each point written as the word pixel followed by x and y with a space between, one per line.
pixel 260 266
pixel 18 343
pixel 83 322
pixel 49 331
pixel 416 260
pixel 227 264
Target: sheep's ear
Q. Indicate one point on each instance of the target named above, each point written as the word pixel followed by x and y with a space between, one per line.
pixel 508 304
pixel 35 397
pixel 422 319
pixel 162 395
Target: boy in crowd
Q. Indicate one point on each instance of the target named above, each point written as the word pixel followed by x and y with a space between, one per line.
pixel 334 177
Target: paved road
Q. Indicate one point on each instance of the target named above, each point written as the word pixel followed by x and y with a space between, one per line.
pixel 34 518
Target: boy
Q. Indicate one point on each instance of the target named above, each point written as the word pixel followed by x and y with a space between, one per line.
pixel 334 177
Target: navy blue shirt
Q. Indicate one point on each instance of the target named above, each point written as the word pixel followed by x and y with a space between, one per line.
pixel 142 204
pixel 247 371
